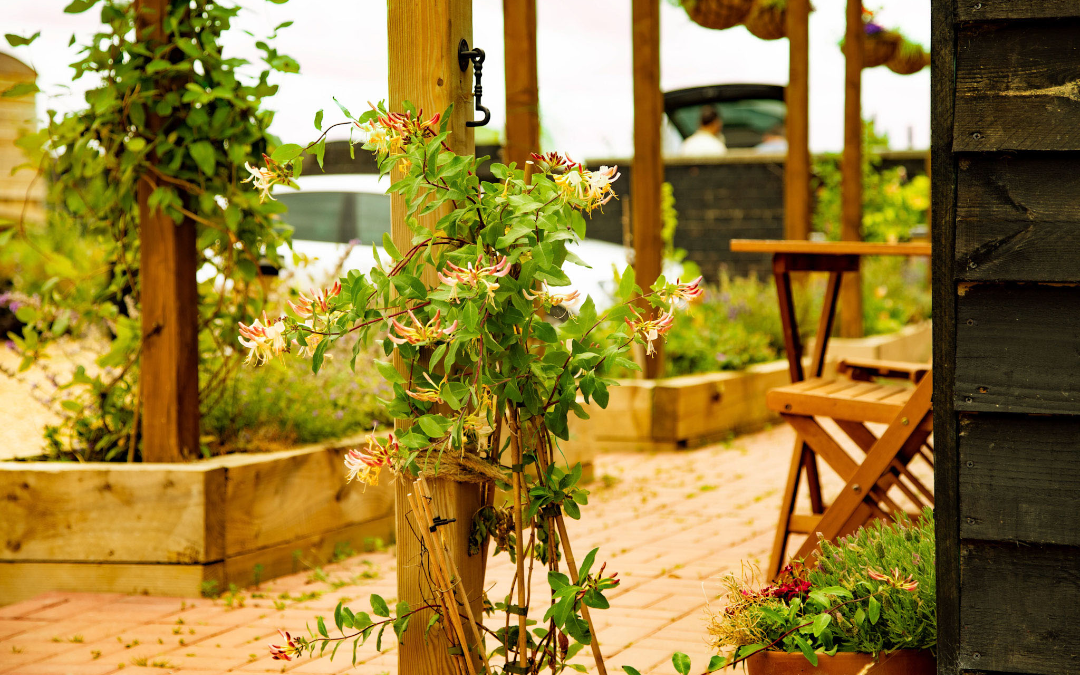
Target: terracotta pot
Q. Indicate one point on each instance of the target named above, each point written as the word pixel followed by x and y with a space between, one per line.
pixel 879 48
pixel 717 14
pixel 909 58
pixel 767 20
pixel 902 662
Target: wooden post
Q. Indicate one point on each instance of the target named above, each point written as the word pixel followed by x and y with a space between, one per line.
pixel 169 298
pixel 423 47
pixel 851 320
pixel 797 95
pixel 648 170
pixel 522 93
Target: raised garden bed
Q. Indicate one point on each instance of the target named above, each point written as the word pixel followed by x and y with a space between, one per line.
pixel 690 410
pixel 181 529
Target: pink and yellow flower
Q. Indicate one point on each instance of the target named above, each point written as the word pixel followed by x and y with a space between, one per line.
pixel 263 339
pixel 474 276
pixel 907 583
pixel 688 291
pixel 651 329
pixel 285 653
pixel 365 465
pixel 592 188
pixel 546 297
pixel 319 301
pixel 264 179
pixel 427 394
pixel 420 333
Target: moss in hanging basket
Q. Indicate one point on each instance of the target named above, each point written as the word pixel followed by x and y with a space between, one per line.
pixel 717 14
pixel 910 58
pixel 879 45
pixel 767 19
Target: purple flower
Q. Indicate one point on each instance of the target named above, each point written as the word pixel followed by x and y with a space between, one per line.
pixel 339 415
pixel 873 28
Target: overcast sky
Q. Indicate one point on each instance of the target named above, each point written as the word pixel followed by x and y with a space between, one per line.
pixel 584 64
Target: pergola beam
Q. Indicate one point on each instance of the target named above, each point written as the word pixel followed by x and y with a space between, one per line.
pixel 851 320
pixel 797 95
pixel 522 90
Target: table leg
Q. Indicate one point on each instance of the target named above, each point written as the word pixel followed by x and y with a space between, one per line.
pixel 825 324
pixel 788 320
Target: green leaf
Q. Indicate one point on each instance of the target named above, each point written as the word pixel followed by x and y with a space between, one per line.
pixel 389 372
pixel 286 153
pixel 874 610
pixel 681 662
pixel 322 626
pixel 630 670
pixel 587 563
pixel 806 649
pixel 388 246
pixel 715 663
pixel 860 616
pixel 20 41
pixel 435 426
pixel 558 580
pixel 79 6
pixel 203 154
pixel 318 356
pixel 343 109
pixel 20 89
pixel 378 606
pixel 318 120
pixel 626 284
pixel 821 623
pixel 339 616
pixel 26 314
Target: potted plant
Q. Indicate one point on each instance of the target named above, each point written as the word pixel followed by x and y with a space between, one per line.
pixel 879 44
pixel 867 608
pixel 767 19
pixel 909 58
pixel 717 14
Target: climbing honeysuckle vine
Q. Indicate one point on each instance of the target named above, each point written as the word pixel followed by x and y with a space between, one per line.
pixel 487 377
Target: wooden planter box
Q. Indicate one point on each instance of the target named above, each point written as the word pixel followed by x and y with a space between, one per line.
pixel 686 411
pixel 902 662
pixel 165 529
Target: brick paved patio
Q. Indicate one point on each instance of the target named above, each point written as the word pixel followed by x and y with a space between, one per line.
pixel 670 523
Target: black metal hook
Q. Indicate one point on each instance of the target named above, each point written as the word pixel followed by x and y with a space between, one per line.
pixel 476 57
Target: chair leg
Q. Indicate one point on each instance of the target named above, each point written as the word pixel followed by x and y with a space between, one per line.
pixel 787 508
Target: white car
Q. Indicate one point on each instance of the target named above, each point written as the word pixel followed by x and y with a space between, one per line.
pixel 328 211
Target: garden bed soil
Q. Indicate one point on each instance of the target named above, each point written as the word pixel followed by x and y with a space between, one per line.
pixel 182 529
pixel 902 662
pixel 691 410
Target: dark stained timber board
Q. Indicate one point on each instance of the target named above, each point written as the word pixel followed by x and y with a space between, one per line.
pixel 985 10
pixel 1017 217
pixel 1020 478
pixel 1018 86
pixel 1019 609
pixel 1018 349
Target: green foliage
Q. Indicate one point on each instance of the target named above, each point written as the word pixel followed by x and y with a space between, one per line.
pixel 180 120
pixel 893 203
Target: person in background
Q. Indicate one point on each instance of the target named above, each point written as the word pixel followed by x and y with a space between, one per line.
pixel 708 140
pixel 772 141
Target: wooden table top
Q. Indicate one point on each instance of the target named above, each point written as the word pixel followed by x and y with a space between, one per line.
pixel 798 246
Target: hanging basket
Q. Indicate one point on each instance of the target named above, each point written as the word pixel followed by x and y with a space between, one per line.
pixel 717 14
pixel 767 19
pixel 909 58
pixel 879 48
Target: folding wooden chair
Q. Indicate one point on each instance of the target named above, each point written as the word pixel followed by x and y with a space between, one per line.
pixel 852 400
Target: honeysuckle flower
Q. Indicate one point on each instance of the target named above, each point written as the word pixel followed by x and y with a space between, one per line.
pixel 904 584
pixel 428 394
pixel 688 291
pixel 264 179
pixel 651 329
pixel 288 651
pixel 591 187
pixel 263 339
pixel 420 333
pixel 365 465
pixel 311 341
pixel 554 160
pixel 474 276
pixel 304 306
pixel 546 297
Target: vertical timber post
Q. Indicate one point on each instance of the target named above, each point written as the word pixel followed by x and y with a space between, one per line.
pixel 797 95
pixel 522 90
pixel 648 170
pixel 851 319
pixel 169 297
pixel 423 69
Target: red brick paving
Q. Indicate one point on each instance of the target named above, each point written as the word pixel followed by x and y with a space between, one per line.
pixel 670 523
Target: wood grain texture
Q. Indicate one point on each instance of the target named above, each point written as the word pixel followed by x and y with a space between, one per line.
pixel 830 248
pixel 1018 87
pixel 797 96
pixel 986 10
pixel 169 377
pixel 107 513
pixel 24 580
pixel 1018 349
pixel 298 494
pixel 648 174
pixel 1020 609
pixel 522 93
pixel 943 289
pixel 1016 218
pixel 423 40
pixel 851 186
pixel 1020 478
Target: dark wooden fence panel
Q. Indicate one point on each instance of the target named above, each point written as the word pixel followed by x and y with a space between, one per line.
pixel 985 10
pixel 1019 609
pixel 1017 218
pixel 1018 349
pixel 1020 478
pixel 1018 87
